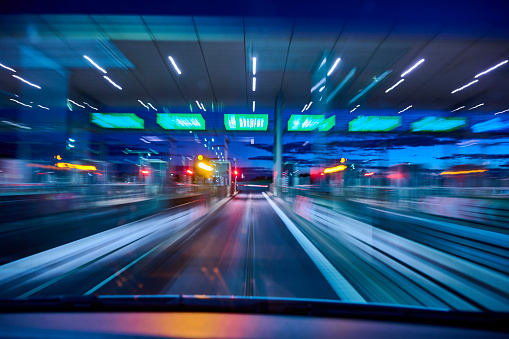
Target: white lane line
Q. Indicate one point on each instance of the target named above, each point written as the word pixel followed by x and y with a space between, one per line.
pixel 338 283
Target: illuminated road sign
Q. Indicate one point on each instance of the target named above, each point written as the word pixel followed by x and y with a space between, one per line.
pixel 117 120
pixel 181 121
pixel 438 124
pixel 246 122
pixel 374 124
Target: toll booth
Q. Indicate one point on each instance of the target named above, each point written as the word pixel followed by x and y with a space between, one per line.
pixel 222 174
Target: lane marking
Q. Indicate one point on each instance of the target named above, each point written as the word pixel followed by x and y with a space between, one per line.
pixel 338 283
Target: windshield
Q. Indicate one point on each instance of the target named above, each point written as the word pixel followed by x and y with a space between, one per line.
pixel 269 157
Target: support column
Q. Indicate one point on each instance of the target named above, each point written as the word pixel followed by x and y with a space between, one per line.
pixel 278 145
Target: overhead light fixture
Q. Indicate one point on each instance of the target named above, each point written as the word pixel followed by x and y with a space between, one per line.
pixel 317 85
pixel 305 107
pixel 323 62
pixel 459 89
pixel 457 109
pixel 141 102
pixel 43 107
pixel 333 66
pixel 111 82
pixel 507 110
pixel 74 102
pixel 198 104
pixel 254 84
pixel 353 109
pixel 412 68
pixel 471 108
pixel 254 105
pixel 491 69
pixel 174 65
pixel 203 107
pixel 96 65
pixel 26 82
pixel 254 65
pixel 10 69
pixel 321 89
pixel 396 84
pixel 92 107
pixel 19 102
pixel 309 105
pixel 155 109
pixel 405 109
pixel 15 124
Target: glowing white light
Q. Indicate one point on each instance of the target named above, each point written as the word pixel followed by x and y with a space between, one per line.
pixel 10 69
pixel 198 104
pixel 491 69
pixel 412 68
pixel 457 109
pixel 111 82
pixel 96 65
pixel 212 139
pixel 254 84
pixel 92 107
pixel 203 107
pixel 74 102
pixel 71 140
pixel 145 141
pixel 333 67
pixel 305 107
pixel 321 89
pixel 471 108
pixel 353 109
pixel 19 102
pixel 404 109
pixel 317 85
pixel 174 65
pixel 459 89
pixel 155 109
pixel 254 65
pixel 26 82
pixel 323 62
pixel 141 102
pixel 254 105
pixel 396 84
pixel 16 125
pixel 507 110
pixel 309 105
pixel 43 107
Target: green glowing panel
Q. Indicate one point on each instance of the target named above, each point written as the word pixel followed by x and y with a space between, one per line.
pixel 302 123
pixel 437 124
pixel 374 124
pixel 246 122
pixel 327 124
pixel 117 120
pixel 181 121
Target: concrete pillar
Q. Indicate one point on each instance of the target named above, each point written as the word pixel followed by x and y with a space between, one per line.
pixel 278 144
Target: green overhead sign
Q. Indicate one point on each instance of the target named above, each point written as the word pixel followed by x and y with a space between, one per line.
pixel 246 122
pixel 306 123
pixel 117 120
pixel 438 124
pixel 374 124
pixel 181 121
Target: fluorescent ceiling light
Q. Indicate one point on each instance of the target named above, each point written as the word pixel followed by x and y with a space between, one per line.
pixel 491 69
pixel 396 84
pixel 203 107
pixel 26 82
pixel 254 65
pixel 111 82
pixel 16 125
pixel 19 102
pixel 141 102
pixel 92 107
pixel 145 141
pixel 317 85
pixel 471 108
pixel 155 109
pixel 309 105
pixel 321 89
pixel 43 107
pixel 507 110
pixel 10 69
pixel 333 66
pixel 412 68
pixel 323 62
pixel 457 109
pixel 74 102
pixel 174 65
pixel 96 65
pixel 254 105
pixel 254 84
pixel 459 89
pixel 404 109
pixel 305 107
